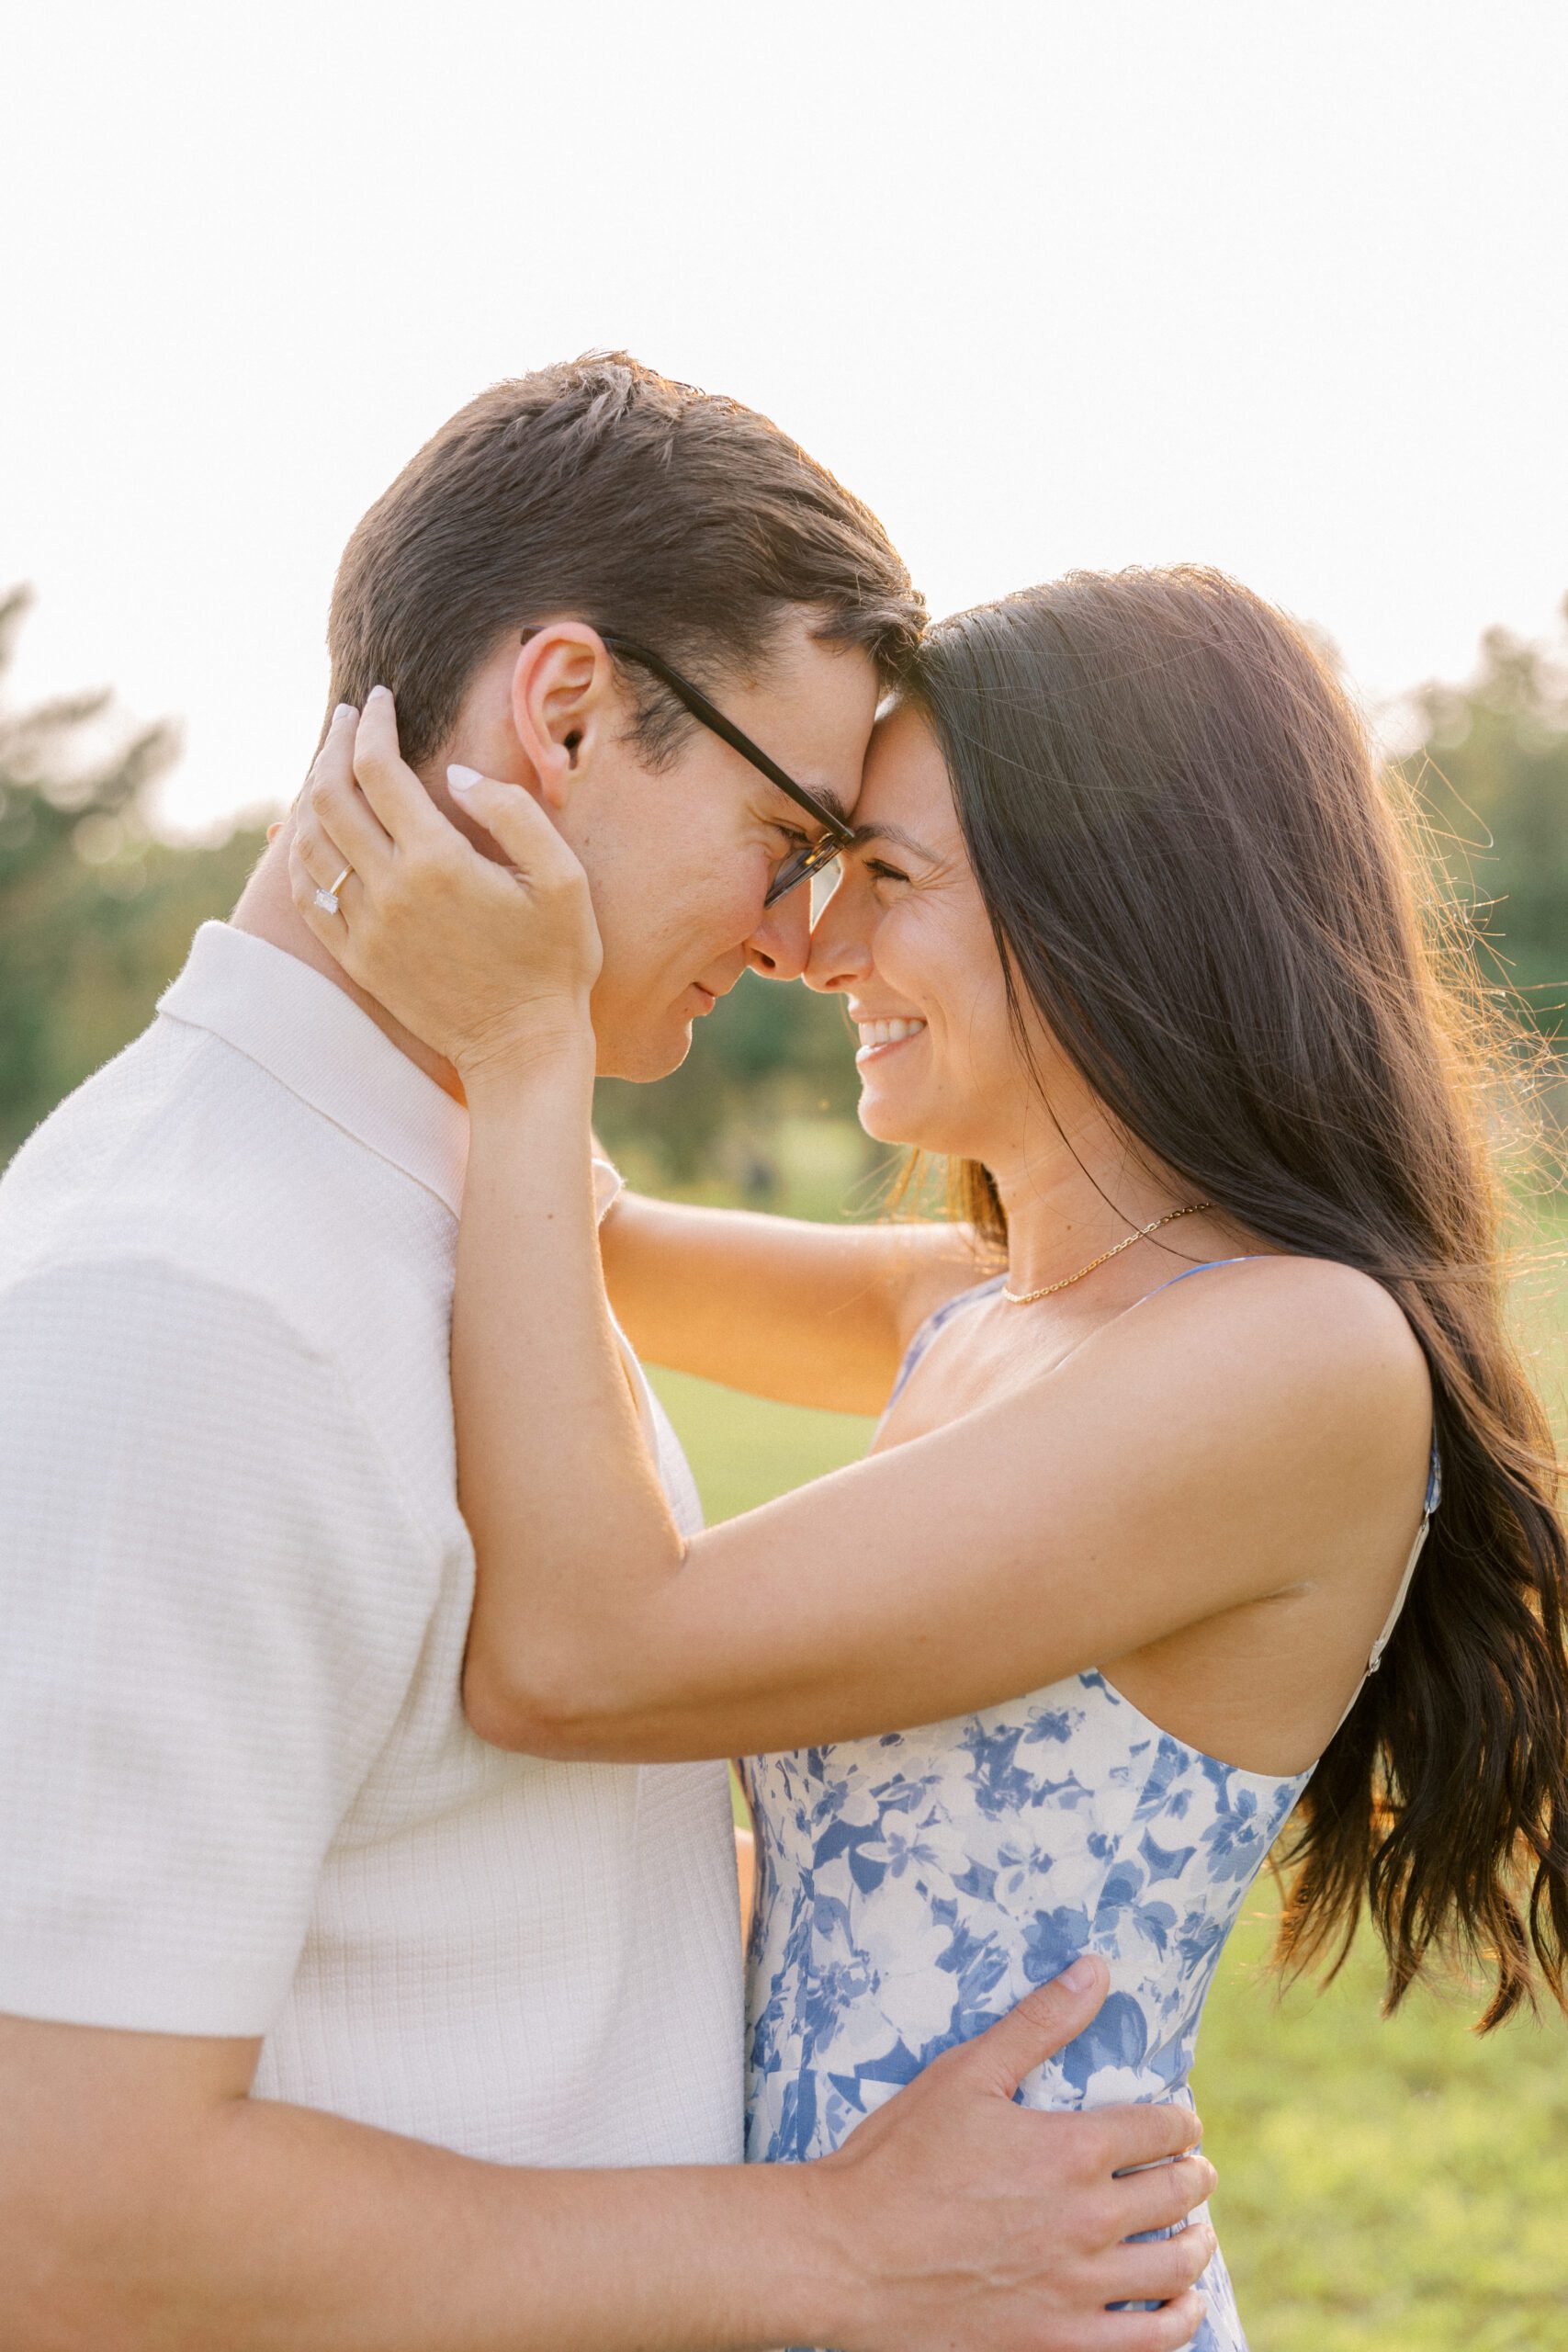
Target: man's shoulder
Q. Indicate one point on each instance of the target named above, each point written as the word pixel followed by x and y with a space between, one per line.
pixel 185 1160
pixel 186 1237
pixel 126 1312
pixel 203 1392
pixel 110 1182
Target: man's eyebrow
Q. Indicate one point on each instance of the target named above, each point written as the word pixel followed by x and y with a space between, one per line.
pixel 825 795
pixel 895 833
pixel 831 802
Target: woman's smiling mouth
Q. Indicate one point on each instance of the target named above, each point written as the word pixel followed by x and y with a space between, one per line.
pixel 879 1038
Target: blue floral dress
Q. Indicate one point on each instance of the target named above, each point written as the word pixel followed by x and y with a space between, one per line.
pixel 911 1888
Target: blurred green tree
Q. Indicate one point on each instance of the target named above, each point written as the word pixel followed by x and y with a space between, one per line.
pixel 1493 774
pixel 766 1054
pixel 96 915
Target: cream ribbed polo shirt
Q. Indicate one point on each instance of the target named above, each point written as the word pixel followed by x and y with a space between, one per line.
pixel 237 1792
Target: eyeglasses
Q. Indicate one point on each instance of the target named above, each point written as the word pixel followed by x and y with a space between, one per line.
pixel 802 862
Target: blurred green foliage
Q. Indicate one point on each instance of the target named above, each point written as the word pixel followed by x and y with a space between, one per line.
pixel 96 915
pixel 730 1122
pixel 1492 777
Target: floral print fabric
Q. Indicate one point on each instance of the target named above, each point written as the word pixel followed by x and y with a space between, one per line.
pixel 911 1888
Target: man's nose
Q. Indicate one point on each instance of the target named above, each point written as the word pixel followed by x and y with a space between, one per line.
pixel 781 942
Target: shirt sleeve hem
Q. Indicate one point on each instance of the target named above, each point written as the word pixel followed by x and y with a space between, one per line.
pixel 139 1993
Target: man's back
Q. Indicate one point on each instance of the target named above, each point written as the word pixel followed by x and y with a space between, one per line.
pixel 243 1797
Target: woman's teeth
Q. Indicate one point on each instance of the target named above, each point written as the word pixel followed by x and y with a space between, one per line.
pixel 886 1033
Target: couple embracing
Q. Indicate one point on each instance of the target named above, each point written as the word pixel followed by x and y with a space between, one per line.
pixel 369 1945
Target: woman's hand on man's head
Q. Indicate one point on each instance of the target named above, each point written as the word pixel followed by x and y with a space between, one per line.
pixel 490 961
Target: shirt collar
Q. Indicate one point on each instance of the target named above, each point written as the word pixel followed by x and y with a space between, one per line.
pixel 310 1036
pixel 315 1040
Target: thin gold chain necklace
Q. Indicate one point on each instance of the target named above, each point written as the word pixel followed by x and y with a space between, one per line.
pixel 1142 1233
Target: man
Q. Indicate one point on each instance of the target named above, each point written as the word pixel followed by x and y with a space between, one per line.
pixel 331 2026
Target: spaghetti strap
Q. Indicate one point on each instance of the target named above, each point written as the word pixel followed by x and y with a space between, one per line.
pixel 943 1315
pixel 1245 1258
pixel 929 1329
pixel 1433 1496
pixel 1208 1267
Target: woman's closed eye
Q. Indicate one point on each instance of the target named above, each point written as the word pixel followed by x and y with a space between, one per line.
pixel 880 871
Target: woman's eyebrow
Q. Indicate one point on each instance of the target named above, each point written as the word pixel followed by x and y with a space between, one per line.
pixel 895 833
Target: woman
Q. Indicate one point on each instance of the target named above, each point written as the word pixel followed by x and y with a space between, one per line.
pixel 1149 1548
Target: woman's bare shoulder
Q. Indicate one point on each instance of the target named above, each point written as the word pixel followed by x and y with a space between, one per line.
pixel 1309 1351
pixel 1319 1314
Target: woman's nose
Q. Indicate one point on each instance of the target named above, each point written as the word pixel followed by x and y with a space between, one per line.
pixel 839 952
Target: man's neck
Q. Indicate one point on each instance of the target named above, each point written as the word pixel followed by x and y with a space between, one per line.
pixel 266 910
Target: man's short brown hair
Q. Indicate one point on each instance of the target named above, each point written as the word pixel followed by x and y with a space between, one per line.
pixel 599 489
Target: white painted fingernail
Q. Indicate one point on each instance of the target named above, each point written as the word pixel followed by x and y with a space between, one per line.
pixel 345 710
pixel 374 692
pixel 463 779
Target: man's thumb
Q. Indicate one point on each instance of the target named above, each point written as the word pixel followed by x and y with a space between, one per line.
pixel 1043 2022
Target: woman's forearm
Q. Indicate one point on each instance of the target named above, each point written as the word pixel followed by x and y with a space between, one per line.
pixel 803 1313
pixel 570 1522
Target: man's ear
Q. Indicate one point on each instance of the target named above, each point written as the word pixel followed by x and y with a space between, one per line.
pixel 565 706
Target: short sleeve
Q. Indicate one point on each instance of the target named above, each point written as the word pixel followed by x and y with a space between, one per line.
pixel 212 1601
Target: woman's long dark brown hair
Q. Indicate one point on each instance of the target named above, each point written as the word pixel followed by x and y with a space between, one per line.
pixel 1196 875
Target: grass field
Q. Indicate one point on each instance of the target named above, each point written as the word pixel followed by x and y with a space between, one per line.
pixel 1388 2185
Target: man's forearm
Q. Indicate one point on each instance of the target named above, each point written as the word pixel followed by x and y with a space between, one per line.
pixel 147 2205
pixel 279 2229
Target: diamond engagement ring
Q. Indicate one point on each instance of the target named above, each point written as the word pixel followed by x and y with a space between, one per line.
pixel 327 900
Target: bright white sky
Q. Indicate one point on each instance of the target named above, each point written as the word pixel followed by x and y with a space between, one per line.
pixel 1279 287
